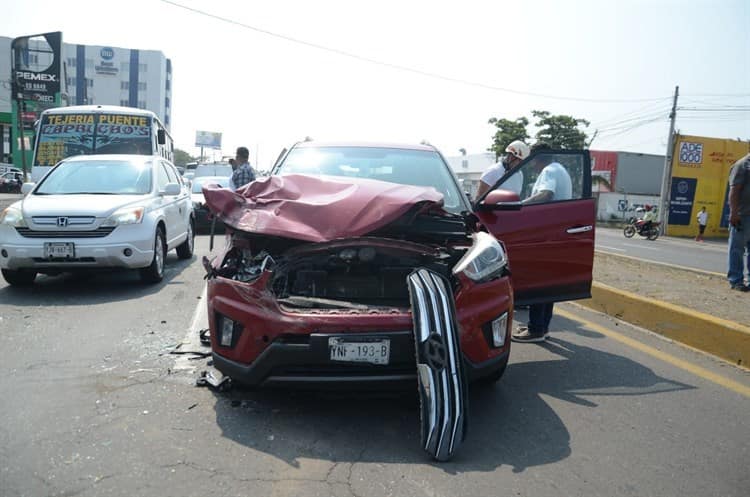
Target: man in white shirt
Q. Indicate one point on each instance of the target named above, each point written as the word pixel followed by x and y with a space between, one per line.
pixel 515 152
pixel 552 184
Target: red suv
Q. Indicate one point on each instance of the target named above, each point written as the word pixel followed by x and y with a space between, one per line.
pixel 359 264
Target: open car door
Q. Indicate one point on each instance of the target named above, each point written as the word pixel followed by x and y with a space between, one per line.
pixel 546 219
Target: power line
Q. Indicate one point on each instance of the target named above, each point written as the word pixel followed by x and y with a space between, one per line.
pixel 616 119
pixel 626 123
pixel 390 65
pixel 715 109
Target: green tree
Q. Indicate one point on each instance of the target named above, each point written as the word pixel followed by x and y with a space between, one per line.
pixel 560 131
pixel 507 131
pixel 181 157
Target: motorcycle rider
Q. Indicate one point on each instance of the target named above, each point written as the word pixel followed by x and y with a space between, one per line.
pixel 648 219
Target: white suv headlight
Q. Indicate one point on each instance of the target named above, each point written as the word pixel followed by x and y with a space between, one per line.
pixel 127 215
pixel 12 216
pixel 485 259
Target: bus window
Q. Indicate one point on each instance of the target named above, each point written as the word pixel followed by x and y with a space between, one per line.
pixel 86 130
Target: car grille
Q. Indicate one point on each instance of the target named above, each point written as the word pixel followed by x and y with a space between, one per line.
pixel 96 233
pixel 69 260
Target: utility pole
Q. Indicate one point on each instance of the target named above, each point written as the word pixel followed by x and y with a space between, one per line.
pixel 666 180
pixel 21 135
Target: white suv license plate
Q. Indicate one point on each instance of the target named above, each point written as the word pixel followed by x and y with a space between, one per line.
pixel 57 250
pixel 374 351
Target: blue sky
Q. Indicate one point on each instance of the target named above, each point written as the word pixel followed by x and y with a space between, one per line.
pixel 427 70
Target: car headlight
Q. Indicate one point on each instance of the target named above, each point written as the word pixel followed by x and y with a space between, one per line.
pixel 127 215
pixel 485 259
pixel 12 216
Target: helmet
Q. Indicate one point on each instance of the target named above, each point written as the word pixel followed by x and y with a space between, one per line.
pixel 518 149
pixel 647 207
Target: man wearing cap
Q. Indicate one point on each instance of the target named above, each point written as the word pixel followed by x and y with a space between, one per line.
pixel 516 151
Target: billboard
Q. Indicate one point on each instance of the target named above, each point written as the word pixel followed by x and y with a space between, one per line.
pixel 700 178
pixel 208 139
pixel 36 68
pixel 37 65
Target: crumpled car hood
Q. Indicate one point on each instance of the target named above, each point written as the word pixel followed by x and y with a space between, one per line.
pixel 316 209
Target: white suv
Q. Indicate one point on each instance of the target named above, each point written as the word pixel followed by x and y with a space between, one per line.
pixel 98 211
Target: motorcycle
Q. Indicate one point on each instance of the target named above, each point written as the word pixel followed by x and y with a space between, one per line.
pixel 638 226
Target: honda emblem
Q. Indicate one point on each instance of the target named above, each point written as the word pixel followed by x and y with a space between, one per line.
pixel 62 222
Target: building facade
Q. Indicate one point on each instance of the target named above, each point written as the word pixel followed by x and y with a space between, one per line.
pixel 95 74
pixel 469 169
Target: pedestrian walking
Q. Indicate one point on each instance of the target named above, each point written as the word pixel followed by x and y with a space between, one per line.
pixel 702 220
pixel 243 173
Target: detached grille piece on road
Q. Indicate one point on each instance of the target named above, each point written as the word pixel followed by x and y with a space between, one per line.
pixel 442 383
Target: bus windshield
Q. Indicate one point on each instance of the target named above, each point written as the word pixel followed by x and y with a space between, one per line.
pixel 65 135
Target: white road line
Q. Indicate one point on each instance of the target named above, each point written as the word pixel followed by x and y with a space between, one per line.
pixel 612 248
pixel 192 340
pixel 640 246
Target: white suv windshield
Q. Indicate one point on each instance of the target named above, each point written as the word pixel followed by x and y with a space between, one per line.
pixel 110 177
pixel 403 166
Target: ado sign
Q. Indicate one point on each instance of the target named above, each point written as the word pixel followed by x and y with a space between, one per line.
pixel 691 153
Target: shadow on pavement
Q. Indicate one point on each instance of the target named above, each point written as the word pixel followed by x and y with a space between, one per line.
pixel 87 288
pixel 510 424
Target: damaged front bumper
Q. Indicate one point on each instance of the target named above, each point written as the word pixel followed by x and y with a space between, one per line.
pixel 275 347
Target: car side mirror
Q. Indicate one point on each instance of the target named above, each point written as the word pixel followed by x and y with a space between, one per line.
pixel 27 187
pixel 501 200
pixel 172 189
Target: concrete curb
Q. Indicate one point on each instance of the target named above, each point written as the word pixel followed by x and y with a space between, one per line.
pixel 725 339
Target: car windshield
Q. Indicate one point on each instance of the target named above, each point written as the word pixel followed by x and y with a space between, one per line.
pixel 396 165
pixel 209 180
pixel 100 177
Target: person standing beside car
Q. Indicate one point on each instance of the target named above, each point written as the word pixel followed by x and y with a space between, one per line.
pixel 243 173
pixel 552 184
pixel 515 152
pixel 739 223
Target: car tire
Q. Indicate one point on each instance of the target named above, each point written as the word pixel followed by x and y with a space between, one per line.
pixel 185 250
pixel 19 277
pixel 154 272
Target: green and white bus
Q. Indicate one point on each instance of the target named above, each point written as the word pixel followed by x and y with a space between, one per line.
pixel 97 129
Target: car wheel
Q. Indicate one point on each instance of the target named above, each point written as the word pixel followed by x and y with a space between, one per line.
pixel 440 375
pixel 154 273
pixel 185 250
pixel 19 277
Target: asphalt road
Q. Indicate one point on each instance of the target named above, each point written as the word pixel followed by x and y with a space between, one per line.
pixel 94 404
pixel 707 256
